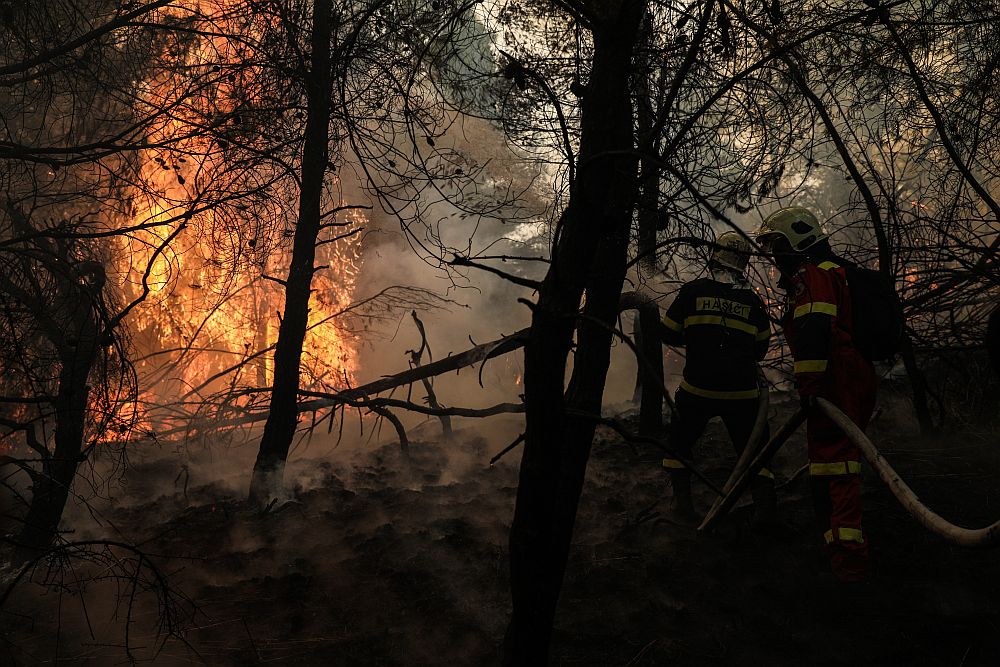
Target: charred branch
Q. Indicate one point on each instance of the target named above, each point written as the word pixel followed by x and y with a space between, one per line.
pixel 415 357
pixel 517 280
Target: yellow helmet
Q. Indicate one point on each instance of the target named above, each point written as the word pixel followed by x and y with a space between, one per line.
pixel 798 225
pixel 731 251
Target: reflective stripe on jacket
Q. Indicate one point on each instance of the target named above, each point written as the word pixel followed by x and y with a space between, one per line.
pixel 725 330
pixel 817 322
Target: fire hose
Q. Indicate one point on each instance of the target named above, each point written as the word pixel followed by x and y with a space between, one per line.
pixel 761 456
pixel 965 537
pixel 746 456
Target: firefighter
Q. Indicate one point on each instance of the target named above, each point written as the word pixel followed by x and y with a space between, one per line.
pixel 724 327
pixel 817 323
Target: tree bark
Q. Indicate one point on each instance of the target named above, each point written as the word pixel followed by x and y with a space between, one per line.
pixel 649 378
pixel 280 427
pixel 590 254
pixel 75 318
pixel 50 489
pixel 647 216
pixel 918 383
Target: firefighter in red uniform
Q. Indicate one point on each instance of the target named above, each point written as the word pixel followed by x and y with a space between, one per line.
pixel 724 327
pixel 817 324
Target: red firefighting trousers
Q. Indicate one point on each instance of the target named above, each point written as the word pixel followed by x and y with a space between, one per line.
pixel 835 463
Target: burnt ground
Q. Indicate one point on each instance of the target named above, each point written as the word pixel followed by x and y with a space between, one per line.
pixel 380 561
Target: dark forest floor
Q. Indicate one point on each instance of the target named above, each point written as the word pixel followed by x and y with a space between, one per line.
pixel 387 562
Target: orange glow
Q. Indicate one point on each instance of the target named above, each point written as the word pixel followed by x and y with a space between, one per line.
pixel 211 315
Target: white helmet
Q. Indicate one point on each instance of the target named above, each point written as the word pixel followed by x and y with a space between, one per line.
pixel 732 251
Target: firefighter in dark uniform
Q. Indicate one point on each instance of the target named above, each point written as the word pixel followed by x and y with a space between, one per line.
pixel 817 323
pixel 724 327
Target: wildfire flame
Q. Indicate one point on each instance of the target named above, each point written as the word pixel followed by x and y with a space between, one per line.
pixel 214 298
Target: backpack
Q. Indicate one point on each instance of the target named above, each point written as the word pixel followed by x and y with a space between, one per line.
pixel 878 314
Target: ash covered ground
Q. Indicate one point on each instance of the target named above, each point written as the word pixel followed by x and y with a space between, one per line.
pixel 382 559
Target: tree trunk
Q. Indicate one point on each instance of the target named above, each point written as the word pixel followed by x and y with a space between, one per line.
pixel 647 215
pixel 590 253
pixel 50 488
pixel 649 378
pixel 919 386
pixel 283 416
pixel 260 342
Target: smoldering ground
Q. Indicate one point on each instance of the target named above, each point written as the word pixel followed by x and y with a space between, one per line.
pixel 379 558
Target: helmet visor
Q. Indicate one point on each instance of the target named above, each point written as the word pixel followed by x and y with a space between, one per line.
pixel 767 241
pixel 774 243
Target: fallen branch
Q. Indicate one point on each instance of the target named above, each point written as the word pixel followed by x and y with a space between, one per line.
pixel 479 353
pixel 415 357
pixel 508 448
pixel 380 403
pixel 455 362
pixel 404 442
pixel 517 280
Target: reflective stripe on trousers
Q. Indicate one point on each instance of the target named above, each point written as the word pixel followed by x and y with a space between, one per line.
pixel 844 534
pixel 836 468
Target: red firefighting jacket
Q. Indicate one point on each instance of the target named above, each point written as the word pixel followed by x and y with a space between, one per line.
pixel 817 324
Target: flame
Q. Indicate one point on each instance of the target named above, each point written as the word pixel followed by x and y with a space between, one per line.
pixel 212 310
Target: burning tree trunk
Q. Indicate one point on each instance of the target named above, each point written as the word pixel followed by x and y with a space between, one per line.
pixel 280 426
pixel 589 255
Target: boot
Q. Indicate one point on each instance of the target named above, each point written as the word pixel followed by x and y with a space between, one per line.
pixel 681 506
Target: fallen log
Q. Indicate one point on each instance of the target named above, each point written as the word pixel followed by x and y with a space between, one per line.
pixel 453 363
